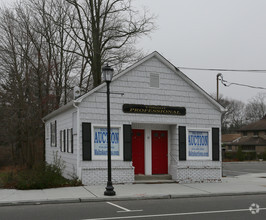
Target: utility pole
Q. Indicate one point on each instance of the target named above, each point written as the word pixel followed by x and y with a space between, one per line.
pixel 217 84
pixel 217 99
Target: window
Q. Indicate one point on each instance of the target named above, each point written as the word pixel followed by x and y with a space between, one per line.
pixel 154 80
pixel 198 144
pixel 63 140
pixel 66 140
pixel 99 143
pixel 47 131
pixel 248 148
pixel 53 133
pixel 70 140
pixel 256 133
pixel 245 133
pixel 229 147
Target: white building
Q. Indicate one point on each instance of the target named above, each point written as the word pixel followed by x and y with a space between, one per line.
pixel 162 124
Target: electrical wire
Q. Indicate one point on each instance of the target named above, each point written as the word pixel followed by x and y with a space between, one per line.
pixel 227 84
pixel 223 70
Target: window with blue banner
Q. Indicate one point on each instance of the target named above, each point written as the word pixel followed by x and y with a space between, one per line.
pixel 100 143
pixel 198 144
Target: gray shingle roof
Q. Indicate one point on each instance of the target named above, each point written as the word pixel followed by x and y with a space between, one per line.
pixel 255 126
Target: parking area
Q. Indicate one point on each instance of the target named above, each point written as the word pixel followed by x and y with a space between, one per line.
pixel 241 168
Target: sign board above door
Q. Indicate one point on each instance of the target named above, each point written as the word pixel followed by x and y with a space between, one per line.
pixel 154 109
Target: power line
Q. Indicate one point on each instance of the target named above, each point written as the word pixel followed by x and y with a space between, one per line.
pixel 239 84
pixel 223 70
pixel 227 84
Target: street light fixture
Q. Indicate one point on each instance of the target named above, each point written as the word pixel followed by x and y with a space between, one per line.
pixel 107 76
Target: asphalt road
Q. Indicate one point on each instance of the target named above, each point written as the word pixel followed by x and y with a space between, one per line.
pixel 241 168
pixel 225 207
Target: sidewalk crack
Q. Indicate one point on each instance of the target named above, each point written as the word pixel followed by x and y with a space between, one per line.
pixel 197 189
pixel 89 191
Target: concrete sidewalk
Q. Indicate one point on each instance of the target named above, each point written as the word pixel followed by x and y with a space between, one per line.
pixel 240 185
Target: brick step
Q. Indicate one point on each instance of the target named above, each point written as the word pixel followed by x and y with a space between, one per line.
pixel 154 181
pixel 153 177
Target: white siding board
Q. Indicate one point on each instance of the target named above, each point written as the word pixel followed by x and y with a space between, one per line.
pixel 63 121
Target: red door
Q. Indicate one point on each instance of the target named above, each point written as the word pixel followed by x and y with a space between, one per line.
pixel 138 150
pixel 159 152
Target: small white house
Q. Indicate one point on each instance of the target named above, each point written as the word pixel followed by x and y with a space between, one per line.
pixel 161 123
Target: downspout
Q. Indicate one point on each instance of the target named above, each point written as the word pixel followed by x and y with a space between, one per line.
pixel 78 143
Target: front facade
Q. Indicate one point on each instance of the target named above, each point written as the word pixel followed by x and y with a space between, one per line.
pixel 161 123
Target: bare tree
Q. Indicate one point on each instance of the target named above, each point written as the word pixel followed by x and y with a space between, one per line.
pixel 256 108
pixel 35 73
pixel 47 46
pixel 58 64
pixel 16 93
pixel 234 116
pixel 105 32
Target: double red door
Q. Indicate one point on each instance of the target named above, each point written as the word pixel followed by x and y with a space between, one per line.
pixel 159 151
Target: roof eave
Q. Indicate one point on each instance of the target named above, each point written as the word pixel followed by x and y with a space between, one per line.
pixel 64 108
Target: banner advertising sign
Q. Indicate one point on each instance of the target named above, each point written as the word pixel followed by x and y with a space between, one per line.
pixel 100 141
pixel 198 144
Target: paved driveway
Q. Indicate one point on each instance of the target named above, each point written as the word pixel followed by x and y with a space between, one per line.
pixel 241 168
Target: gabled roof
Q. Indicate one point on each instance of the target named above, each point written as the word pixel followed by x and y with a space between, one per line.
pixel 63 108
pixel 169 65
pixel 227 138
pixel 255 126
pixel 249 141
pixel 160 58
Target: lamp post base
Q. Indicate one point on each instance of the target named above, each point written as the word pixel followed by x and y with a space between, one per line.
pixel 109 189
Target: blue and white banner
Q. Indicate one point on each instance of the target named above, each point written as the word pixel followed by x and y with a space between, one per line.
pixel 100 141
pixel 198 144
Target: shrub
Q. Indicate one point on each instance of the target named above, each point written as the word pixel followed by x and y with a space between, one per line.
pixel 39 177
pixel 250 156
pixel 7 179
pixel 264 156
pixel 230 155
pixel 239 154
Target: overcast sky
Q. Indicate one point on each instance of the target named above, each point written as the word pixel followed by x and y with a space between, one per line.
pixel 224 34
pixel 227 34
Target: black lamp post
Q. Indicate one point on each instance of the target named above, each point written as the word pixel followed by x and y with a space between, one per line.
pixel 107 76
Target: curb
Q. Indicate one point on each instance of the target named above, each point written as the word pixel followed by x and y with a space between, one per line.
pixel 40 202
pixel 125 198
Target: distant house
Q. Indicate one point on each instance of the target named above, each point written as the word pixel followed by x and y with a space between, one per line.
pixel 252 138
pixel 228 140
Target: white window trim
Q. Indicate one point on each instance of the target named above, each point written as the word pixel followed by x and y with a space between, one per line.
pixel 121 152
pixel 210 143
